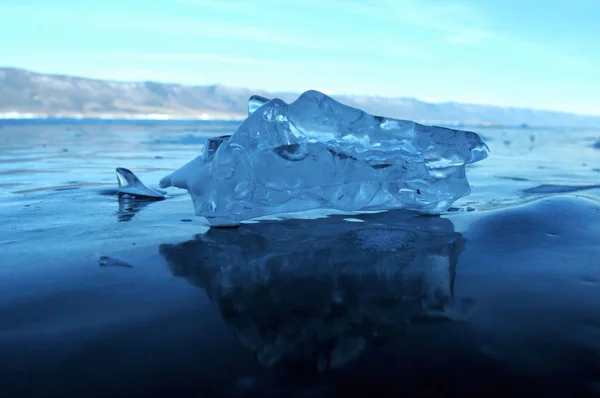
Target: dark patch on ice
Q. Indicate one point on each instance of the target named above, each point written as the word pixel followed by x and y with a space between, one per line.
pixel 550 188
pixel 106 261
pixel 67 189
pixel 108 192
pixel 58 187
pixel 225 227
pixel 292 152
pixel 340 155
pixel 380 166
pixel 591 281
pixel 596 145
pixel 189 139
pixel 212 144
pixel 512 178
pixel 460 209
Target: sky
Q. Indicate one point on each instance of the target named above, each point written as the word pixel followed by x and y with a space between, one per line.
pixel 542 54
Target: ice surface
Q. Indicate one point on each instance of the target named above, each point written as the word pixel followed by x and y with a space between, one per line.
pixel 319 153
pixel 131 185
pixel 324 290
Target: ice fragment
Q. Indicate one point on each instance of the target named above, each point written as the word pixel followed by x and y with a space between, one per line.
pixel 131 185
pixel 319 153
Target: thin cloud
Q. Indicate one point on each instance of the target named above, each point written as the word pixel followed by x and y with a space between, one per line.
pixel 295 35
pixel 413 13
pixel 390 48
pixel 218 30
pixel 194 57
pixel 459 22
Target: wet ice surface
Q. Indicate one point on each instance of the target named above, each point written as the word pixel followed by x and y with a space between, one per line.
pixel 106 295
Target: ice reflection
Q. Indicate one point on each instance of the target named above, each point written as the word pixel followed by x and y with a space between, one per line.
pixel 319 292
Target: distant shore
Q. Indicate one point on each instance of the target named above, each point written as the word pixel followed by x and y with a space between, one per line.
pixel 157 117
pixel 115 116
pixel 25 94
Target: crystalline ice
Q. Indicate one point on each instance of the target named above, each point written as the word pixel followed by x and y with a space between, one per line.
pixel 319 153
pixel 131 185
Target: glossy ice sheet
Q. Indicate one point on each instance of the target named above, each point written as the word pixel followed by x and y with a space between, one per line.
pixel 107 296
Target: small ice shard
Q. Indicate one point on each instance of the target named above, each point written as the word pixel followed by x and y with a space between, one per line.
pixel 318 153
pixel 255 102
pixel 131 185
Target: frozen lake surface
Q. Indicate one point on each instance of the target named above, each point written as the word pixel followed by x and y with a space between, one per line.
pixel 106 296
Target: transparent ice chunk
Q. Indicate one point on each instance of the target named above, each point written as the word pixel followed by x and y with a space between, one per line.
pixel 319 153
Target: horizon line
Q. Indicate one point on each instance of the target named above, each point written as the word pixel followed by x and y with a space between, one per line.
pixel 327 92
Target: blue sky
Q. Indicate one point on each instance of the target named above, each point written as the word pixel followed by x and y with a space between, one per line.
pixel 526 53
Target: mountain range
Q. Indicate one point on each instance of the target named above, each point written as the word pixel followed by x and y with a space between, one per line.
pixel 24 93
